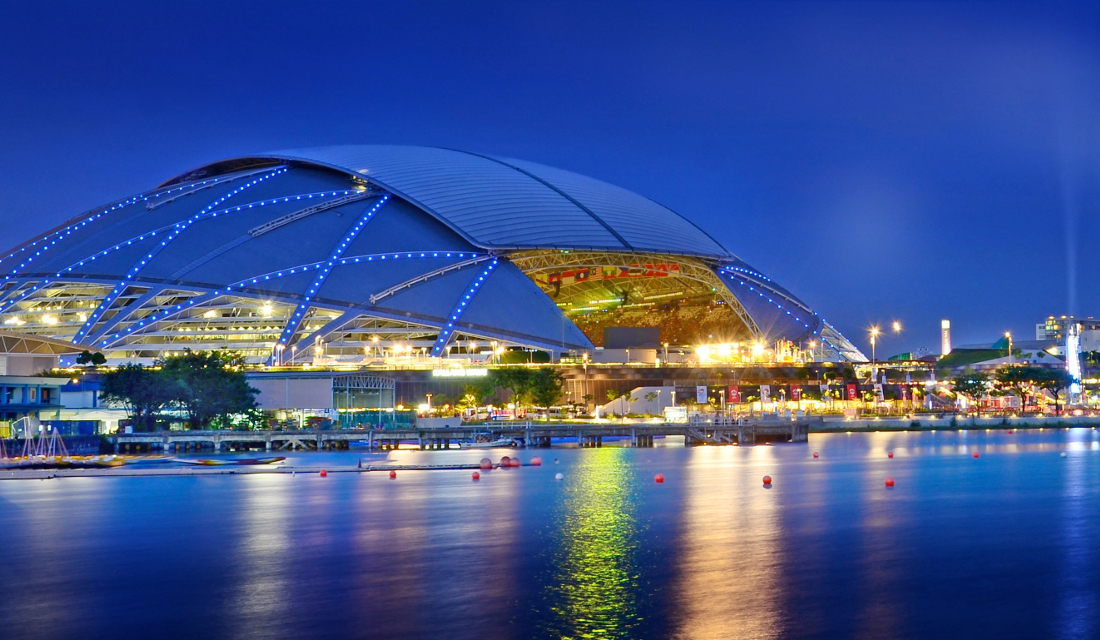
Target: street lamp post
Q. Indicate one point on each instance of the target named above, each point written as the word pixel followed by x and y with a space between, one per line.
pixel 1008 335
pixel 874 360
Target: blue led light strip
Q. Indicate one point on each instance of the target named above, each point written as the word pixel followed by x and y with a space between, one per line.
pixel 749 272
pixel 60 234
pixel 177 229
pixel 241 286
pixel 299 314
pixel 213 214
pixel 448 329
pixel 741 282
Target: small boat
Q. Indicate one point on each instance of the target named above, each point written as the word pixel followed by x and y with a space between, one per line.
pixel 493 444
pixel 208 462
pixel 271 460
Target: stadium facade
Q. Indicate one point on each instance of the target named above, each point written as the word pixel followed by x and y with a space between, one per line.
pixel 365 252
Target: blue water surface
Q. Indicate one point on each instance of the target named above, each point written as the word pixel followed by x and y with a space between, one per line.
pixel 1002 546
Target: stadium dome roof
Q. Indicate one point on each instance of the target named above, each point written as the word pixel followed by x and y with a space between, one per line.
pixel 501 203
pixel 339 244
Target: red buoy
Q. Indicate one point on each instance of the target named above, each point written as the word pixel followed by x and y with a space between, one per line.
pixel 536 461
pixel 890 454
pixel 476 476
pixel 1010 430
pixel 393 474
pixel 514 462
pixel 486 464
pixel 815 454
pixel 976 454
pixel 889 482
pixel 767 479
pixel 660 477
pixel 324 474
pixel 505 462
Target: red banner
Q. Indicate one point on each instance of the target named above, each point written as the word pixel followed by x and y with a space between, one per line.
pixel 735 394
pixel 796 393
pixel 853 394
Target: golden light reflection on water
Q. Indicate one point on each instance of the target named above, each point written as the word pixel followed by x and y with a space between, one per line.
pixel 728 585
pixel 594 592
pixel 264 593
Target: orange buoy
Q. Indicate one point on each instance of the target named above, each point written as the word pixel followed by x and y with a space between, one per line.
pixel 889 482
pixel 393 474
pixel 536 461
pixel 660 477
pixel 324 474
pixel 486 464
pixel 889 454
pixel 815 454
pixel 476 476
pixel 975 454
pixel 767 479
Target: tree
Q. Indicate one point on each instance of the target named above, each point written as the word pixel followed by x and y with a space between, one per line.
pixel 1054 381
pixel 95 359
pixel 515 381
pixel 1019 379
pixel 206 388
pixel 142 392
pixel 972 384
pixel 544 386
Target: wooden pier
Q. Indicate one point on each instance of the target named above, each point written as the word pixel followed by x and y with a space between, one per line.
pixel 529 434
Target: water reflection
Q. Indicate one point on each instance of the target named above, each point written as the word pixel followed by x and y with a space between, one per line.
pixel 594 589
pixel 1076 602
pixel 880 567
pixel 264 594
pixel 728 585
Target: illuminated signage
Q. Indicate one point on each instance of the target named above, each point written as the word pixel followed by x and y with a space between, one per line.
pixel 459 373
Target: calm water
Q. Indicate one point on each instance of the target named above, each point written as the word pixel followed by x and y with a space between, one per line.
pixel 1004 546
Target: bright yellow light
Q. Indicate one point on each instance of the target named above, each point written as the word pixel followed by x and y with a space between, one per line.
pixel 209 314
pixel 374 339
pixel 703 351
pixel 897 327
pixel 724 350
pixel 874 332
pixel 266 310
pixel 48 319
pixel 757 348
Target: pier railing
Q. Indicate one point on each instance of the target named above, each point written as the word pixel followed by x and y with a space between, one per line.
pixel 528 434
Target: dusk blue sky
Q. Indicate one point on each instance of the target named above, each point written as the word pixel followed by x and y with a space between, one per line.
pixel 882 160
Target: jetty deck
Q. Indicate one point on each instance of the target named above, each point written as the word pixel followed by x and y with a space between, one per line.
pixel 721 432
